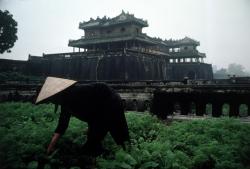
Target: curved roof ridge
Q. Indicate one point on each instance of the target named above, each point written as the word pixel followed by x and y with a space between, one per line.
pixel 104 21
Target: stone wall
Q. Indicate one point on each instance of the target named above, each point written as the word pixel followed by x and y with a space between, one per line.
pixel 111 65
pixel 196 101
pixel 178 71
pixel 7 65
pixel 118 65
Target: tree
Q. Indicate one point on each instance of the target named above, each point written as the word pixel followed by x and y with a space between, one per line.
pixel 8 31
pixel 221 74
pixel 236 69
pixel 222 71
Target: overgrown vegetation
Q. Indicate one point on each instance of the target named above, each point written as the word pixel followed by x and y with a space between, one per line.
pixel 25 131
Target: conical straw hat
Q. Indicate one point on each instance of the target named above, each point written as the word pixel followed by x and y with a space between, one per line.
pixel 53 85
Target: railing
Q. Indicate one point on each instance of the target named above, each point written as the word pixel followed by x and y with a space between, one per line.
pixel 188 52
pixel 148 50
pixel 111 35
pixel 114 35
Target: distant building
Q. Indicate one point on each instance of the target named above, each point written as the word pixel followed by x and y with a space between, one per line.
pixel 116 49
pixel 186 61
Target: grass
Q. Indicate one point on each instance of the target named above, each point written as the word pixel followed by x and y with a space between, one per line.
pixel 26 129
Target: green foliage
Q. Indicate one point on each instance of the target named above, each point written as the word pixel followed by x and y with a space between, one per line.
pixel 8 31
pixel 243 110
pixel 25 131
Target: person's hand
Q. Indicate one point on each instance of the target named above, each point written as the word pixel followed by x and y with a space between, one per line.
pixel 52 144
pixel 50 149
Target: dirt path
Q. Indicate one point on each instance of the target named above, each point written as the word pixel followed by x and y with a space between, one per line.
pixel 193 117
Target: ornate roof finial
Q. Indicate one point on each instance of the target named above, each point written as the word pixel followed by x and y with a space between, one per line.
pixel 123 12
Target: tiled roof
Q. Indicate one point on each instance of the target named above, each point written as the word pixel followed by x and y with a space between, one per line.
pixel 104 22
pixel 98 40
pixel 184 41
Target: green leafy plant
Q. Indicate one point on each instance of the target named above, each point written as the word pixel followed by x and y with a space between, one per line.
pixel 26 129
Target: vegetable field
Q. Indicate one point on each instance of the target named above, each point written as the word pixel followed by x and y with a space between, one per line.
pixel 26 129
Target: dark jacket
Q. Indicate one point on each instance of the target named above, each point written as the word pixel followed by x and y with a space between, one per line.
pixel 98 105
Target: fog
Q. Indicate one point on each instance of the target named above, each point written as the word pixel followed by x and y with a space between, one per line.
pixel 221 26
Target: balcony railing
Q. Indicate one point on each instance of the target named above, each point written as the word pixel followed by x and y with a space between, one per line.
pixel 187 53
pixel 113 35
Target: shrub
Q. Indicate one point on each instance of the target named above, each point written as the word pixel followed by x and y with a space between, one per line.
pixel 25 131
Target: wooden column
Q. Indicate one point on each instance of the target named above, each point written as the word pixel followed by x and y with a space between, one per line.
pixel 200 108
pixel 169 108
pixel 248 109
pixel 217 109
pixel 185 107
pixel 159 106
pixel 234 109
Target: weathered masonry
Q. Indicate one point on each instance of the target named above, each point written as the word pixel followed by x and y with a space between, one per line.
pixel 195 99
pixel 117 49
pixel 162 98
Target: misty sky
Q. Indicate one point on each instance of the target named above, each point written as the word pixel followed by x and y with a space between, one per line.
pixel 221 26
